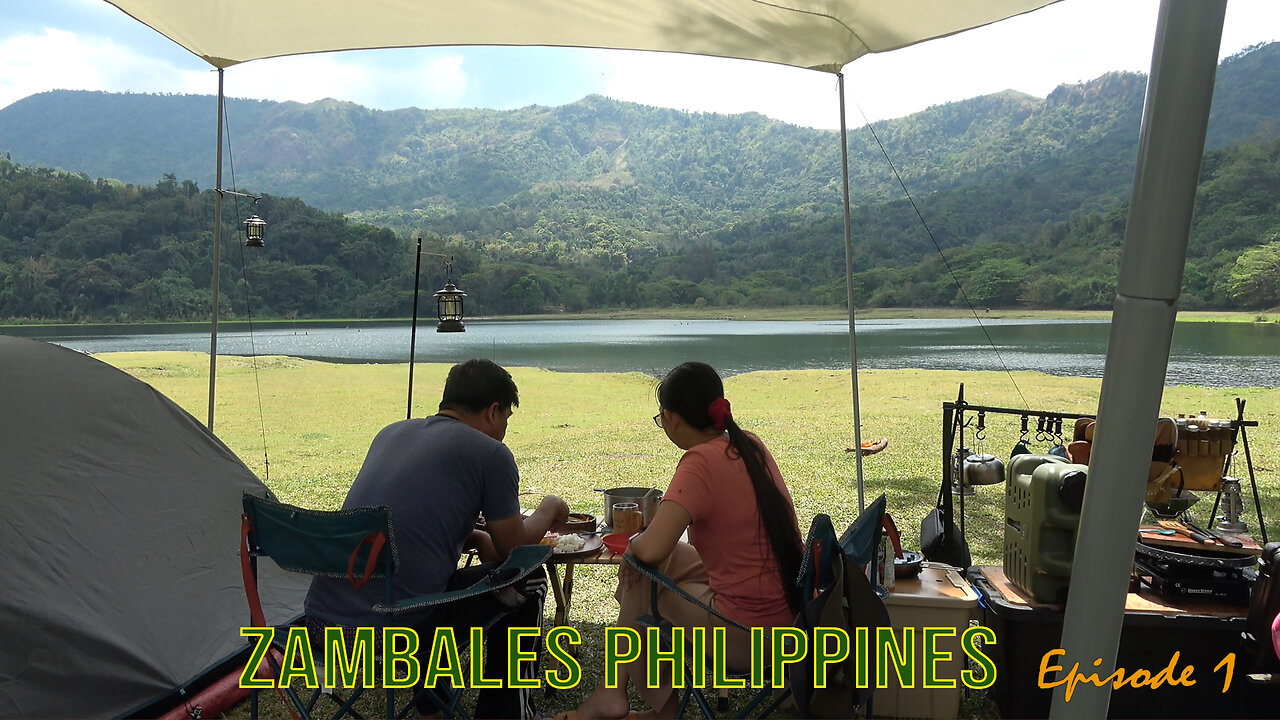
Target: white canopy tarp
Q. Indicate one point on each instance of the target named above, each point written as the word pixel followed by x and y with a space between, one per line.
pixel 817 34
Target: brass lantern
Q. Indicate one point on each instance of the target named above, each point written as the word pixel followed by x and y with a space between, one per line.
pixel 254 228
pixel 449 309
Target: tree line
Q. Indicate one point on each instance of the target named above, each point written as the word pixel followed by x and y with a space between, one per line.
pixel 74 249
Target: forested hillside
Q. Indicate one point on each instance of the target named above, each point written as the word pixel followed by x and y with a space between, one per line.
pixel 399 164
pixel 606 204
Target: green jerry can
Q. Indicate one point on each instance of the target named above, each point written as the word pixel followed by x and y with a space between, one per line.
pixel 1042 503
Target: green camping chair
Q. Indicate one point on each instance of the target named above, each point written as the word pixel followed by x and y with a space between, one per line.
pixel 358 545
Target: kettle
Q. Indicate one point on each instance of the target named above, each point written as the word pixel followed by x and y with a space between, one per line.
pixel 983 469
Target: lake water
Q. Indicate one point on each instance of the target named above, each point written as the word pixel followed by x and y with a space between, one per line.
pixel 1213 354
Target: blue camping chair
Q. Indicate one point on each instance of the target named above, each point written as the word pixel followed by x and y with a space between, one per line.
pixel 837 593
pixel 818 575
pixel 357 545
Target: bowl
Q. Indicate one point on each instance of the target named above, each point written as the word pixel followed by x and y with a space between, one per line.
pixel 907 566
pixel 579 522
pixel 617 542
pixel 1174 506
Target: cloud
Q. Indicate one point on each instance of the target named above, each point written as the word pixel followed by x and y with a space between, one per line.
pixel 394 79
pixel 62 60
pixel 703 84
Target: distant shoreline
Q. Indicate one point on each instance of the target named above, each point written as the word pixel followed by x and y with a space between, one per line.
pixel 794 313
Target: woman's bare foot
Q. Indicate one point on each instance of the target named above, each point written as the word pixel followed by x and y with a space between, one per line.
pixel 605 703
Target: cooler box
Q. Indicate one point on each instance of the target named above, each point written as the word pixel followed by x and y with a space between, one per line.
pixel 938 597
pixel 1154 628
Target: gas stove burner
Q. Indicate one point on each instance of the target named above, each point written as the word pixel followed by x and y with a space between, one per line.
pixel 1172 579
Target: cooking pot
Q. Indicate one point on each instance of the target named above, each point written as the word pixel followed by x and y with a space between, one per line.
pixel 646 498
pixel 983 469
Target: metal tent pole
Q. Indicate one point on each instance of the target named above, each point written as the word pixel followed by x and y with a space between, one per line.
pixel 413 328
pixel 848 281
pixel 1175 116
pixel 217 260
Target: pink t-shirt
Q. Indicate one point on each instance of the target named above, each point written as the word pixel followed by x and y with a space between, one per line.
pixel 715 489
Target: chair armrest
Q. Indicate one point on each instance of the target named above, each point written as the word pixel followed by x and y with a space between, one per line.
pixel 522 561
pixel 659 578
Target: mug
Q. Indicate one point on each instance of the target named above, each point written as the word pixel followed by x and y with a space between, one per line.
pixel 627 518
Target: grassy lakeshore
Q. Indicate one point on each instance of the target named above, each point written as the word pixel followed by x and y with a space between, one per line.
pixel 574 432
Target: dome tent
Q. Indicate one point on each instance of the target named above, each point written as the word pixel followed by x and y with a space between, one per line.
pixel 120 527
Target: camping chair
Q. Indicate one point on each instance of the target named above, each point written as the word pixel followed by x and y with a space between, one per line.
pixel 357 545
pixel 837 593
pixel 815 586
pixel 692 693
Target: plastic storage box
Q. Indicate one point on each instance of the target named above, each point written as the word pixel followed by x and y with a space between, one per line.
pixel 938 597
pixel 1025 631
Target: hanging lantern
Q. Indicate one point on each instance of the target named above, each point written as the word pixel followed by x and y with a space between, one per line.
pixel 449 309
pixel 254 228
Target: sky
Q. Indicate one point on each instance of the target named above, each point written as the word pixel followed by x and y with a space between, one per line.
pixel 91 45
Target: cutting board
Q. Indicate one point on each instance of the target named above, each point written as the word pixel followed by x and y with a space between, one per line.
pixel 1182 543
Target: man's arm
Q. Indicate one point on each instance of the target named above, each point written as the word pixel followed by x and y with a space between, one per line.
pixel 516 530
pixel 480 542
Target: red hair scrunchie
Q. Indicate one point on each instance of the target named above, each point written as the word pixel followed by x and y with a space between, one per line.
pixel 718 410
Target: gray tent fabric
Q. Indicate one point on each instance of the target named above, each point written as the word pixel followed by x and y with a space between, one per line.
pixel 120 529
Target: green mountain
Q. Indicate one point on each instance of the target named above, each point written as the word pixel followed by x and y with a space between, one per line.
pixel 603 203
pixel 343 157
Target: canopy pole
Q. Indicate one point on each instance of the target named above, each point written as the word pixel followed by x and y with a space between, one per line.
pixel 1170 146
pixel 848 282
pixel 413 328
pixel 217 259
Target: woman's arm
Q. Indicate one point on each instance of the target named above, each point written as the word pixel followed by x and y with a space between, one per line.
pixel 654 544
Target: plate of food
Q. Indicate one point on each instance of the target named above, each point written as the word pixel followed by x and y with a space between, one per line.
pixel 570 546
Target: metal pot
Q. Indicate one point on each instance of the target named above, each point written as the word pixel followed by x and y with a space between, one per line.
pixel 983 469
pixel 646 498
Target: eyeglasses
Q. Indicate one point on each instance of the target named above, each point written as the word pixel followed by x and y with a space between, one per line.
pixel 657 419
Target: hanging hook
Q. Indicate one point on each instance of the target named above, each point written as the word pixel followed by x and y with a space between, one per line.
pixel 1025 420
pixel 980 433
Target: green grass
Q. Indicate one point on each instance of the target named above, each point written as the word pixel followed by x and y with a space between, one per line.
pixel 576 432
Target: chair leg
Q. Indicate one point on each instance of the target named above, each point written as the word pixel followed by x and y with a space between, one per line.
pixel 346 708
pixel 777 702
pixel 701 701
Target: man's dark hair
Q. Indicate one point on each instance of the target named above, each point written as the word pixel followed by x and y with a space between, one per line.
pixel 476 384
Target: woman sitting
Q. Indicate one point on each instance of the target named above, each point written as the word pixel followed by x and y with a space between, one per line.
pixel 744 547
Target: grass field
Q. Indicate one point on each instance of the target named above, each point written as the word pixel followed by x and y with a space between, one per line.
pixel 304 427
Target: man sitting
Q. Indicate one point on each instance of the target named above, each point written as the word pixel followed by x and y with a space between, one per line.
pixel 437 474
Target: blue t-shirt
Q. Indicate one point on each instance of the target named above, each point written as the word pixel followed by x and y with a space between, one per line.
pixel 436 474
